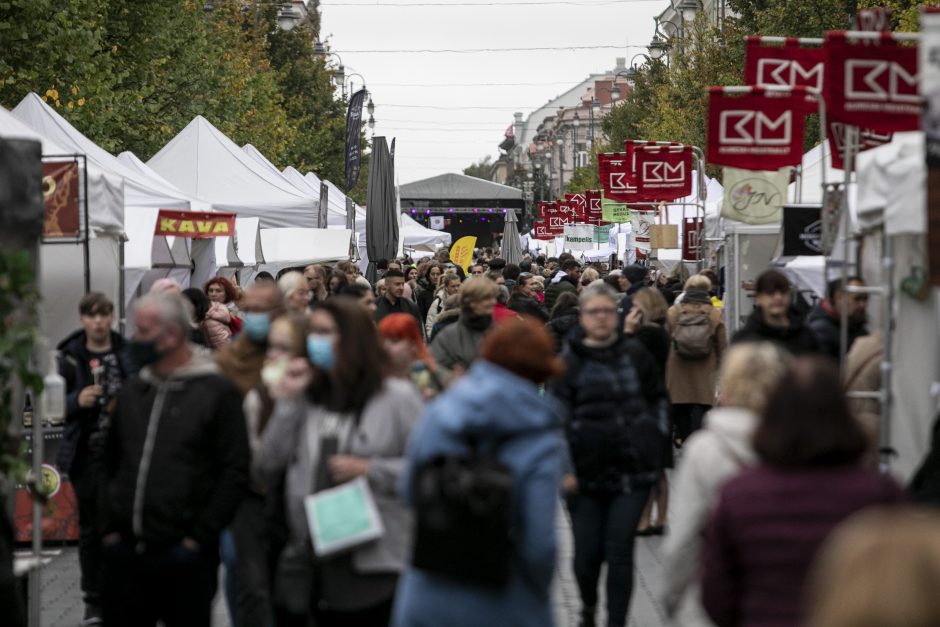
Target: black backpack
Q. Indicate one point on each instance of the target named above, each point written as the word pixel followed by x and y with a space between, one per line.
pixel 463 525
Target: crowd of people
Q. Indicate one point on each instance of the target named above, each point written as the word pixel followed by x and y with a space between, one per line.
pixel 504 390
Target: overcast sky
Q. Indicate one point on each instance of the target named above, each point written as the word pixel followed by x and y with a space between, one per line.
pixel 436 103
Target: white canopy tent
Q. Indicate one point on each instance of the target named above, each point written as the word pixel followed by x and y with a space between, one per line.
pixel 61 266
pixel 290 247
pixel 418 238
pixel 204 163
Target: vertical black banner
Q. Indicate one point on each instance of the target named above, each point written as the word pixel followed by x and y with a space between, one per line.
pixel 323 208
pixel 353 127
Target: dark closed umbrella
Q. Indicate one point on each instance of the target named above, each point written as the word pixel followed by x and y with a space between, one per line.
pixel 381 210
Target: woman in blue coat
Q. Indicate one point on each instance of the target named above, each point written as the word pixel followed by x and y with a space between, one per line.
pixel 498 400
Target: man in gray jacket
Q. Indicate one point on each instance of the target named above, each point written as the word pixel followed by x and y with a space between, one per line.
pixel 458 345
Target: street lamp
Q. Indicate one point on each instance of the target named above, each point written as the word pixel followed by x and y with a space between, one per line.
pixel 561 165
pixel 657 47
pixel 595 112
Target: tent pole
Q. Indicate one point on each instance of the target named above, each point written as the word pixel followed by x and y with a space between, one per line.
pixel 85 243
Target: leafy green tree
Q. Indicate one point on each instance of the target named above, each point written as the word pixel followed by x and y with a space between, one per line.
pixel 482 169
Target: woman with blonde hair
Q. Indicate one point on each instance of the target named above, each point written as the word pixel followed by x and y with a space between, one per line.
pixel 881 568
pixel 711 456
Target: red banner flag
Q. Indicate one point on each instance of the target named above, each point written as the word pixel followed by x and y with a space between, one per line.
pixel 756 131
pixel 578 203
pixel 867 139
pixel 615 172
pixel 662 172
pixel 872 84
pixel 542 232
pixel 693 231
pixel 194 224
pixel 555 215
pixel 595 212
pixel 789 65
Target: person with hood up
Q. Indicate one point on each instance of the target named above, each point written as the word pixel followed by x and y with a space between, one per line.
pixel 95 362
pixel 710 457
pixel 774 319
pixel 498 400
pixel 616 410
pixel 458 345
pixel 176 463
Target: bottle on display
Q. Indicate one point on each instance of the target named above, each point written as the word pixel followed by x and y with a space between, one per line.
pixel 53 395
pixel 28 412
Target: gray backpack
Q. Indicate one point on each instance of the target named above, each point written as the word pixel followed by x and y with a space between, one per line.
pixel 692 335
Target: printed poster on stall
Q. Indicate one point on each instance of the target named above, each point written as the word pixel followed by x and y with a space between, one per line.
pixel 61 215
pixel 754 197
pixel 579 236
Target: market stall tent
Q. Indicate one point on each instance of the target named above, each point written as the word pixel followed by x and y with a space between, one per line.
pixel 295 247
pixel 204 163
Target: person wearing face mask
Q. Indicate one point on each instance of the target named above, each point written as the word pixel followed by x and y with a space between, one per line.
pixel 339 417
pixel 457 345
pixel 243 361
pixel 408 355
pixel 774 320
pixel 176 464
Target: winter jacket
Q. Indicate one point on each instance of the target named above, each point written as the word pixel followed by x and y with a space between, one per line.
pixel 826 323
pixel 710 457
pixel 561 324
pixel 601 386
pixel 435 310
pixel 502 312
pixel 655 339
pixel 177 456
pixel 424 296
pixel 446 318
pixel 218 325
pixel 925 484
pixel 82 422
pixel 766 530
pixel 382 435
pixel 492 402
pixel 384 307
pixel 556 289
pixel 695 380
pixel 456 345
pixel 626 303
pixel 528 307
pixel 796 338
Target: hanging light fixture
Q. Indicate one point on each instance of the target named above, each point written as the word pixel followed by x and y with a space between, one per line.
pixel 370 107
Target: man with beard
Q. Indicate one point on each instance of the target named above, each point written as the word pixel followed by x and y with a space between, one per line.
pixel 825 320
pixel 774 319
pixel 458 345
pixel 395 300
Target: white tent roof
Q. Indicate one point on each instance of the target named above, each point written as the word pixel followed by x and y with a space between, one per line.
pixel 130 160
pixel 295 247
pixel 893 185
pixel 139 191
pixel 106 204
pixel 204 163
pixel 420 238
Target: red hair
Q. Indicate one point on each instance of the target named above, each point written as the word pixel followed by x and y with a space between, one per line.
pixel 523 346
pixel 230 292
pixel 401 326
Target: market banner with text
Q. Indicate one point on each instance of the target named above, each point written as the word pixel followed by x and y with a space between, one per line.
pixel 579 236
pixel 578 203
pixel 787 65
pixel 61 215
pixel 754 197
pixel 756 131
pixel 872 83
pixel 555 215
pixel 614 211
pixel 693 230
pixel 662 172
pixel 615 172
pixel 595 210
pixel 867 139
pixel 195 224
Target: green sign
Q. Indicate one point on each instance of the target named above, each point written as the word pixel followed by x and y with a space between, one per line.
pixel 602 234
pixel 613 211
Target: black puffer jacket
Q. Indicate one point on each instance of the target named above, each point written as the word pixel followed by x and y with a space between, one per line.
pixel 796 338
pixel 826 324
pixel 82 422
pixel 617 413
pixel 195 469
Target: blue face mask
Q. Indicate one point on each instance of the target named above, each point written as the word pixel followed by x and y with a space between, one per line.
pixel 257 326
pixel 320 351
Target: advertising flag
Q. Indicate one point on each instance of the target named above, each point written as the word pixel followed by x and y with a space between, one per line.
pixel 756 131
pixel 872 83
pixel 461 253
pixel 615 172
pixel 353 130
pixel 867 139
pixel 614 212
pixel 194 224
pixel 754 197
pixel 595 211
pixel 578 203
pixel 802 231
pixel 693 230
pixel 61 215
pixel 789 65
pixel 662 172
pixel 579 236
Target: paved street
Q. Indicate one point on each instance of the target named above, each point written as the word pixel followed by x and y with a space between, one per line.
pixel 62 603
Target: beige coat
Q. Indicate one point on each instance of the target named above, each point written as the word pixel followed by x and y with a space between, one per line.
pixel 694 381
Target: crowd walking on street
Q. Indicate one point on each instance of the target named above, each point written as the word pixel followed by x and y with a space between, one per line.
pixel 396 455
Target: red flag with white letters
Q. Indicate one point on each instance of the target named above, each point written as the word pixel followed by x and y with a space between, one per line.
pixel 662 172
pixel 758 130
pixel 789 65
pixel 578 203
pixel 872 83
pixel 615 171
pixel 595 212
